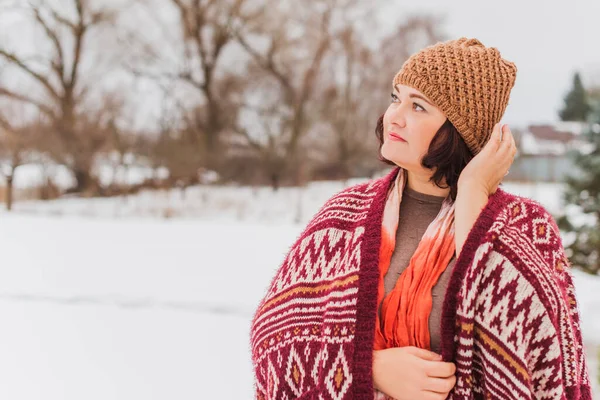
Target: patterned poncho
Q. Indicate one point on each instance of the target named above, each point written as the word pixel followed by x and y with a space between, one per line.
pixel 510 321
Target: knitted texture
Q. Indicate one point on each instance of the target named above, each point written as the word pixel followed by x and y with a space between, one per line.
pixel 510 320
pixel 469 82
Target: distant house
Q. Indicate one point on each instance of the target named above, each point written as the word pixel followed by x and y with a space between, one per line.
pixel 543 152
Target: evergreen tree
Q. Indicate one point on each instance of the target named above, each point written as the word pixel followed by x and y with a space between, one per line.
pixel 583 190
pixel 576 106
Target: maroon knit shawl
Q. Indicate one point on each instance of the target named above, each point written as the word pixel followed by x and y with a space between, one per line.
pixel 292 359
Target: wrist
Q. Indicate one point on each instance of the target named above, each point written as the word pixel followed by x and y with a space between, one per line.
pixel 472 186
pixel 377 368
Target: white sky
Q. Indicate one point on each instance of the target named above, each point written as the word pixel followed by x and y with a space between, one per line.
pixel 548 41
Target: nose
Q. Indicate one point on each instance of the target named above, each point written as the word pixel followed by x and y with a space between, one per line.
pixel 398 115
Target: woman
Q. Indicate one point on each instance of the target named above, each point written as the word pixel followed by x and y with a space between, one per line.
pixel 432 258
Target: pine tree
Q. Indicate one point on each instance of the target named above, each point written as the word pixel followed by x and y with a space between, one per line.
pixel 576 106
pixel 583 190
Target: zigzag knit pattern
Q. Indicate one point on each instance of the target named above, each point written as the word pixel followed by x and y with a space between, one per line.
pixel 510 320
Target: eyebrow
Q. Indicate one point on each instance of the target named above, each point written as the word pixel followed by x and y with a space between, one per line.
pixel 415 96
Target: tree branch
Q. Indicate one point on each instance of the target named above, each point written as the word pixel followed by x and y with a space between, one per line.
pixel 64 21
pixel 268 64
pixel 5 124
pixel 19 97
pixel 59 66
pixel 79 30
pixel 14 60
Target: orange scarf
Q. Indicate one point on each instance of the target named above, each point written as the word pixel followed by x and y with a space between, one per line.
pixel 405 310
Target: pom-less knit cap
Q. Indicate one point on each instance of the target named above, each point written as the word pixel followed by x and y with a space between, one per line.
pixel 469 82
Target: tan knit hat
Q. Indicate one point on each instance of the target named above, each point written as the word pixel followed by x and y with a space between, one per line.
pixel 469 82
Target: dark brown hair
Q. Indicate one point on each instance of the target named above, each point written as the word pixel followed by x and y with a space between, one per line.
pixel 447 155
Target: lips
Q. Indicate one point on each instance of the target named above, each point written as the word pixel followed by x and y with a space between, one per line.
pixel 396 137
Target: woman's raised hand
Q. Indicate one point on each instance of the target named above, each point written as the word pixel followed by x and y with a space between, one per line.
pixel 487 169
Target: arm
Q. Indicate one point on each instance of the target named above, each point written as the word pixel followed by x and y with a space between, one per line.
pixel 479 179
pixel 470 200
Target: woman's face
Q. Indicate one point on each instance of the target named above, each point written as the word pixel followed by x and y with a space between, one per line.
pixel 409 124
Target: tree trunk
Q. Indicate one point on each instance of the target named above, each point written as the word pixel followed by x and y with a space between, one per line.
pixel 9 192
pixel 275 178
pixel 84 182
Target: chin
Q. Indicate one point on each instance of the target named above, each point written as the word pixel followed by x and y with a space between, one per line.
pixel 389 154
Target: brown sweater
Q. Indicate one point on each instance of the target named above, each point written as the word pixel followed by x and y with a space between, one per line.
pixel 416 213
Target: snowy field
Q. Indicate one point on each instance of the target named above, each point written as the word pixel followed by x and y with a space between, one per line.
pixel 130 309
pixel 237 204
pixel 106 299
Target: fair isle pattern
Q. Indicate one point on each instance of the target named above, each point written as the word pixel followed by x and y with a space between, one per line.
pixel 517 324
pixel 348 206
pixel 320 256
pixel 303 332
pixel 510 320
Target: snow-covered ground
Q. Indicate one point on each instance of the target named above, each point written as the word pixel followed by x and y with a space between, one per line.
pixel 239 204
pixel 135 309
pixel 109 170
pixel 100 300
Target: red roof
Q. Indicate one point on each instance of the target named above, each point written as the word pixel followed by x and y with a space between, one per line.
pixel 548 132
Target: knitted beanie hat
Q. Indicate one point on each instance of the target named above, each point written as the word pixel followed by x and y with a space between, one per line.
pixel 469 82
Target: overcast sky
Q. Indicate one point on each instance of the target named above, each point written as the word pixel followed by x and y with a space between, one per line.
pixel 548 41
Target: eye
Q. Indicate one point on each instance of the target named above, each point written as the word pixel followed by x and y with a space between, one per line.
pixel 394 98
pixel 418 105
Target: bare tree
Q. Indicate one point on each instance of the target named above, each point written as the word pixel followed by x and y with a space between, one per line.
pixel 197 51
pixel 175 150
pixel 17 138
pixel 284 75
pixel 354 91
pixel 62 86
pixel 121 148
pixel 349 107
pixel 12 149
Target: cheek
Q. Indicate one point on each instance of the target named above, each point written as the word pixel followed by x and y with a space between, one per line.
pixel 423 143
pixel 432 129
pixel 385 119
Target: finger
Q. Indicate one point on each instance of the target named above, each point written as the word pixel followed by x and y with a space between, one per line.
pixel 497 132
pixel 509 151
pixel 510 139
pixel 439 369
pixel 507 146
pixel 503 157
pixel 507 137
pixel 514 144
pixel 424 354
pixel 494 140
pixel 440 385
